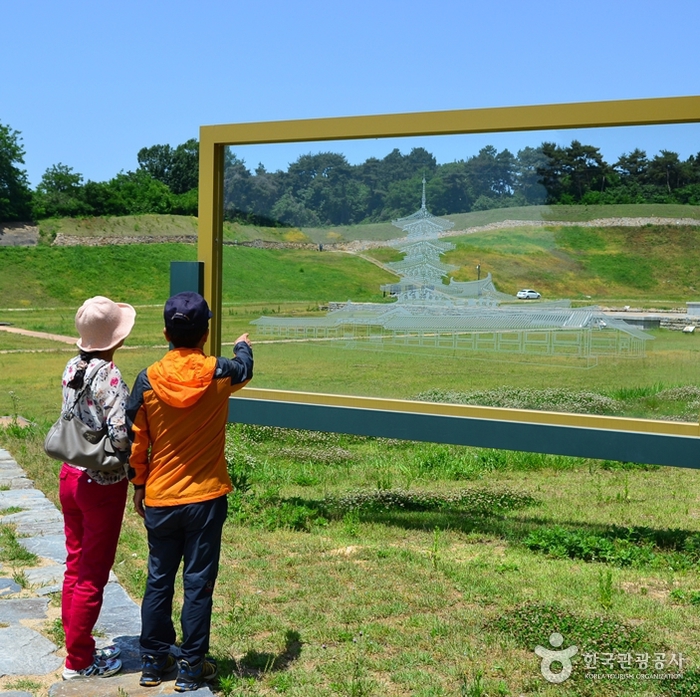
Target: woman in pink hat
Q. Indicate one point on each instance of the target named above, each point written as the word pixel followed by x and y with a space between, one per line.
pixel 93 501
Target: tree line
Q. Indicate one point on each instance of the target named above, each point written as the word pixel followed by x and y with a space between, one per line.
pixel 164 182
pixel 325 189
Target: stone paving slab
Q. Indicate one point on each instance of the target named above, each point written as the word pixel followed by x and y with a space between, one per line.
pixel 130 652
pixel 8 475
pixel 120 615
pixel 51 547
pixel 38 513
pixel 48 590
pixel 45 521
pixel 128 683
pixel 27 499
pixel 45 575
pixel 11 474
pixel 12 610
pixel 8 586
pixel 14 693
pixel 9 468
pixel 17 483
pixel 26 652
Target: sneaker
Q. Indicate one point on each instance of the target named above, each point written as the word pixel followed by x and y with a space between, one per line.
pixel 153 668
pixel 191 676
pixel 100 668
pixel 107 652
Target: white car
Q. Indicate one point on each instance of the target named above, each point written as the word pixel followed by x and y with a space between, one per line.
pixel 528 294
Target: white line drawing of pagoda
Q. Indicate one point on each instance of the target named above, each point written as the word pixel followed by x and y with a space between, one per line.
pixel 422 247
pixel 421 270
pixel 459 315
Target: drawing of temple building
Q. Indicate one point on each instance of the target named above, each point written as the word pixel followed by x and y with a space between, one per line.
pixel 468 316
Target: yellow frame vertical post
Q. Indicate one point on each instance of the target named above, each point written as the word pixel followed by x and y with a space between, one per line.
pixel 211 231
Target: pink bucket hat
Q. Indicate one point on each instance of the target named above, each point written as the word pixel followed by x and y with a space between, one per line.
pixel 102 323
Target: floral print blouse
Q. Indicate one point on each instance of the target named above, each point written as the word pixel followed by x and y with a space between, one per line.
pixel 103 401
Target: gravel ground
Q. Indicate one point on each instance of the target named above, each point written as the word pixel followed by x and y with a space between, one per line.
pixel 18 235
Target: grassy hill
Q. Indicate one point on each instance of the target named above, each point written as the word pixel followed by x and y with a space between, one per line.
pixel 120 226
pixel 607 264
pixel 654 263
pixel 649 262
pixel 174 225
pixel 152 225
pixel 65 276
pixel 648 266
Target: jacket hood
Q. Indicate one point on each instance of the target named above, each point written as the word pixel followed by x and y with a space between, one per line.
pixel 182 377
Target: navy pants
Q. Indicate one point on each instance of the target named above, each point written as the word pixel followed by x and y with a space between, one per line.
pixel 191 532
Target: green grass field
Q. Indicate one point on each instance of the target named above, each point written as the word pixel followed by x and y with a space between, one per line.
pixel 648 266
pixel 672 361
pixel 374 567
pixel 65 276
pixel 356 566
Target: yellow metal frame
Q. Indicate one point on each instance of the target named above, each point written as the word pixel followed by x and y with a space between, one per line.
pixel 609 423
pixel 213 140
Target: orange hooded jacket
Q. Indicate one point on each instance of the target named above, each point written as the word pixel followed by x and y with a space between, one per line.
pixel 177 416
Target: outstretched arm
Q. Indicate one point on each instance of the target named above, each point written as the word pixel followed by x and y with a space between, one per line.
pixel 239 368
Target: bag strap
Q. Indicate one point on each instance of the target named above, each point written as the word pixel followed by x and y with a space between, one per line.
pixel 87 383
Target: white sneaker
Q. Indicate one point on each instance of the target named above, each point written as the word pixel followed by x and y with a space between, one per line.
pixel 100 668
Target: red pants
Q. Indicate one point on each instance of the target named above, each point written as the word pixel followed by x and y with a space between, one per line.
pixel 92 515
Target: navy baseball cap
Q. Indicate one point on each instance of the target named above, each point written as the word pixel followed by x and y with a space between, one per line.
pixel 186 310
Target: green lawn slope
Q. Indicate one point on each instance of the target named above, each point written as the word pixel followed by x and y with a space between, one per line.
pixel 65 276
pixel 651 263
pixel 655 262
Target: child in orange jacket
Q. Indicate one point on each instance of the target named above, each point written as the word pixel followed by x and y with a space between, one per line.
pixel 177 415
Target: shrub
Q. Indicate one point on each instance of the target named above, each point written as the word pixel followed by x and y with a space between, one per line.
pixel 551 399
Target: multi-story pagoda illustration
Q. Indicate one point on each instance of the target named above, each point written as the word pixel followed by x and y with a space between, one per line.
pixel 422 248
pixel 421 272
pixel 422 223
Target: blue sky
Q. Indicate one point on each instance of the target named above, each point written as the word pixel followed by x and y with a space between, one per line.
pixel 90 83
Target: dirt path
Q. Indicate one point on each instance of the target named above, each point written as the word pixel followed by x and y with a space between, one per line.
pixel 39 335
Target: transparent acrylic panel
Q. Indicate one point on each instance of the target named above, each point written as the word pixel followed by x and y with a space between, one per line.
pixel 545 270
